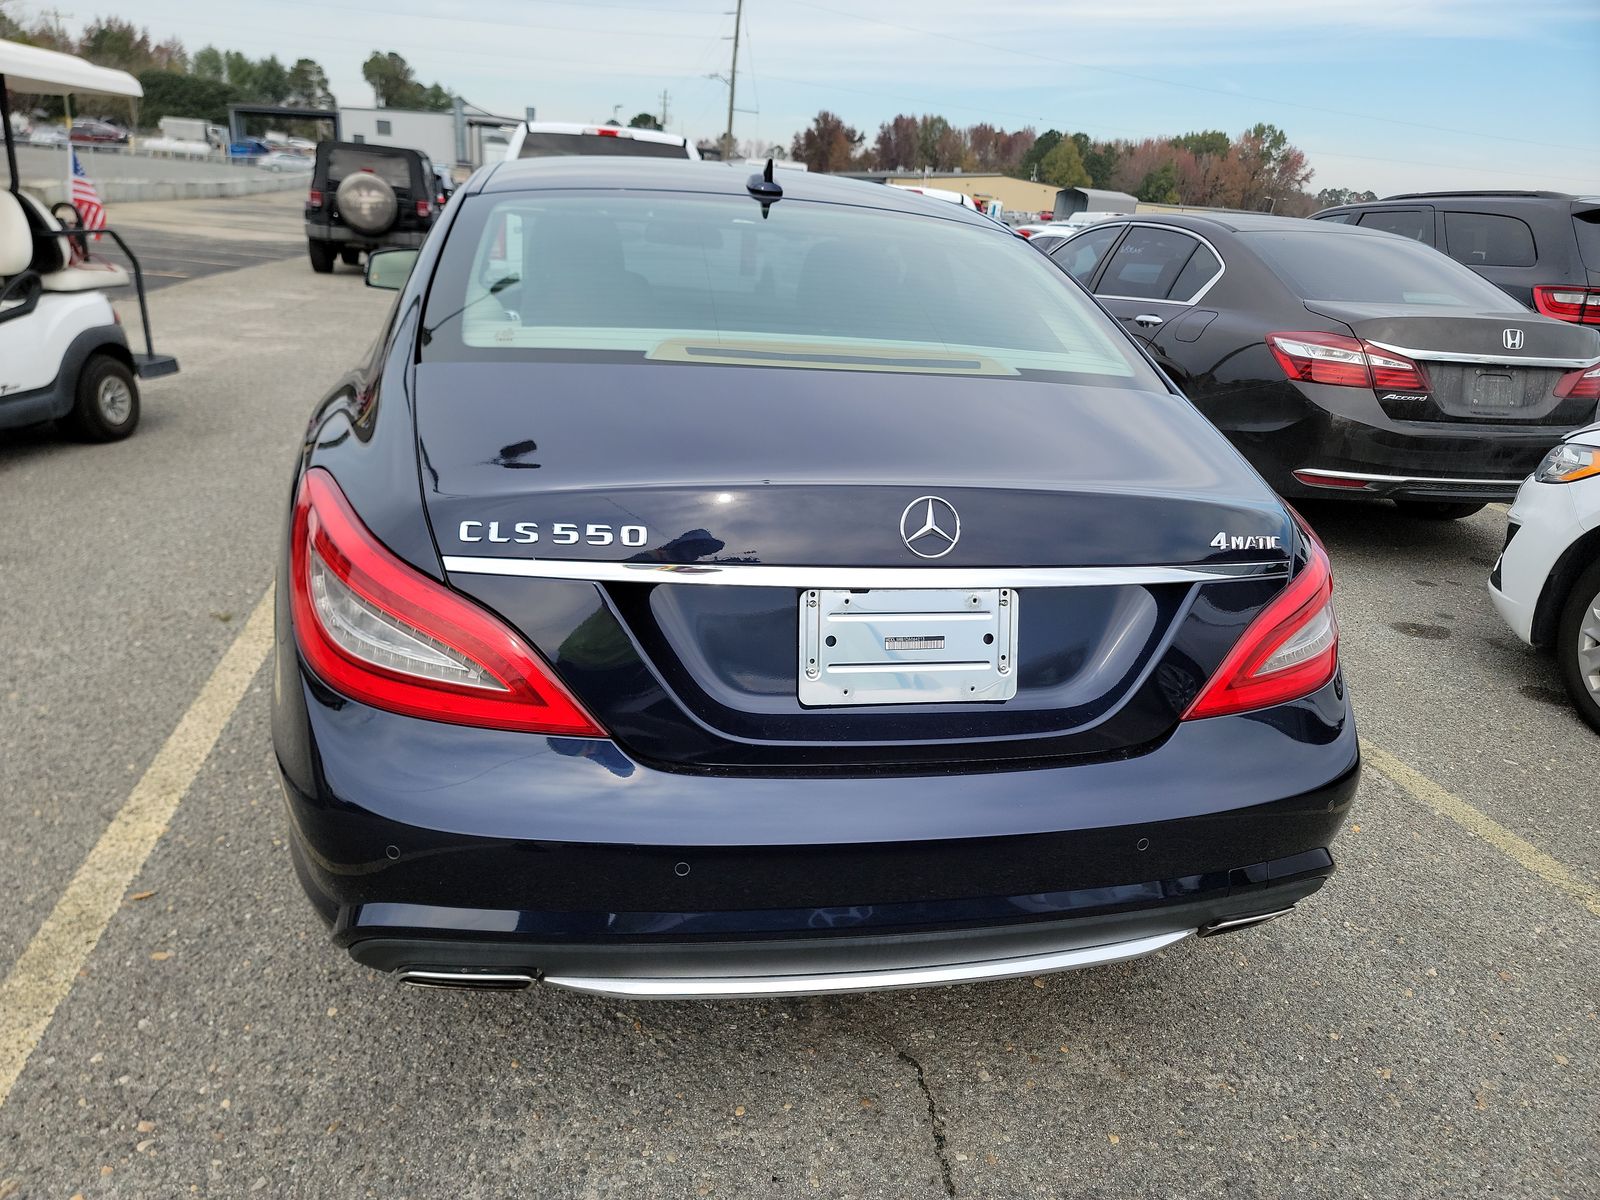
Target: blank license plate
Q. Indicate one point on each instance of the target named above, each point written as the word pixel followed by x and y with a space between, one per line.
pixel 907 646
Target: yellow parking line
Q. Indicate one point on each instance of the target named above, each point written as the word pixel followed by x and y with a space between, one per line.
pixel 44 974
pixel 1520 850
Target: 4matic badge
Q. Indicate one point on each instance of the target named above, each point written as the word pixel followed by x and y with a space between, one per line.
pixel 1246 541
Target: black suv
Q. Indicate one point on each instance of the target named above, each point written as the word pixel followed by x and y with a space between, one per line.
pixel 367 197
pixel 1541 247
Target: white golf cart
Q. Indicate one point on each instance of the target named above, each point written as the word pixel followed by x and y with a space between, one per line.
pixel 63 354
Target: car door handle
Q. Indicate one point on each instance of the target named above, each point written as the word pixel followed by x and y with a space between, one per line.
pixel 1147 320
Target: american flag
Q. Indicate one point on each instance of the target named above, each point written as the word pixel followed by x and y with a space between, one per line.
pixel 84 197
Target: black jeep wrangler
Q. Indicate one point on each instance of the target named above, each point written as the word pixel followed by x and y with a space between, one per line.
pixel 366 197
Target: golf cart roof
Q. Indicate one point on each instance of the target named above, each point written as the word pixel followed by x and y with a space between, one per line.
pixel 46 72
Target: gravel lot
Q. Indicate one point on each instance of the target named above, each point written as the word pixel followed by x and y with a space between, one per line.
pixel 1427 1025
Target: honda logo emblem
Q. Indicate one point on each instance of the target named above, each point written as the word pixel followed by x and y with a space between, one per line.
pixel 1511 339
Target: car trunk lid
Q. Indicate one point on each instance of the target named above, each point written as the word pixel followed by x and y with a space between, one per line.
pixel 585 502
pixel 1491 368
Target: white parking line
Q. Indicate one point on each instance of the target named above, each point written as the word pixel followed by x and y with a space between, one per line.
pixel 1412 781
pixel 44 974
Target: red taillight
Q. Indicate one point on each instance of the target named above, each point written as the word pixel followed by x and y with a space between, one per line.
pixel 1578 304
pixel 1289 651
pixel 424 208
pixel 1582 384
pixel 381 632
pixel 314 198
pixel 605 131
pixel 1027 233
pixel 1342 361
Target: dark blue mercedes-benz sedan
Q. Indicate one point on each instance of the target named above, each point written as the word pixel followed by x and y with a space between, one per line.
pixel 712 586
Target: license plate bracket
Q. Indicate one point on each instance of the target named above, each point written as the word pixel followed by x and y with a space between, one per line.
pixel 1494 390
pixel 907 646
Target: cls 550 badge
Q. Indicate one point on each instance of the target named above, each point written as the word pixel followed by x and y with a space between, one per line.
pixel 562 533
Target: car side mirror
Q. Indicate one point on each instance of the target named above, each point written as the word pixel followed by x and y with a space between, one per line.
pixel 389 269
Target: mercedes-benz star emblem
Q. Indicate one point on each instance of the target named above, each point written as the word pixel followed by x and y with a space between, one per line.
pixel 1511 339
pixel 930 526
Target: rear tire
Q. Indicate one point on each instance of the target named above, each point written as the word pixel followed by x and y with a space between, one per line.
pixel 1437 510
pixel 106 405
pixel 350 256
pixel 321 257
pixel 1578 645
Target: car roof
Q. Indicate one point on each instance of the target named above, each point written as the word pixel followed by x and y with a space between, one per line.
pixel 1241 222
pixel 568 172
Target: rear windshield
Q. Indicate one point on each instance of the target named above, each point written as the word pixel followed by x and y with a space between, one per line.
pixel 551 145
pixel 1588 226
pixel 393 169
pixel 1374 270
pixel 670 277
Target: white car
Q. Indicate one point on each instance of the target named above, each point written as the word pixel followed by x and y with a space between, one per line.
pixel 945 194
pixel 1547 582
pixel 550 139
pixel 286 160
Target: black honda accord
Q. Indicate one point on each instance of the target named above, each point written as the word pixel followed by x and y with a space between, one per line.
pixel 1345 362
pixel 712 586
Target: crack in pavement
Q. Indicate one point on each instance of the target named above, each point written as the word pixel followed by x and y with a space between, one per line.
pixel 934 1119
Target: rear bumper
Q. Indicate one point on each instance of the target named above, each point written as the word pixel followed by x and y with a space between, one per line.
pixel 448 848
pixel 814 965
pixel 1343 436
pixel 345 236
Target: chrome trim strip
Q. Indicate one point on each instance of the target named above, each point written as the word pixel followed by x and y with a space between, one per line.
pixel 1243 922
pixel 1201 238
pixel 479 981
pixel 756 575
pixel 1496 360
pixel 1298 471
pixel 730 987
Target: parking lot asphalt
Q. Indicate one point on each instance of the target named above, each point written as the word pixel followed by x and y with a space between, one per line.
pixel 1427 1025
pixel 176 242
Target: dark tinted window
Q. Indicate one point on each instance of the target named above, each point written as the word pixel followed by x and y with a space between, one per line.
pixel 1334 265
pixel 1044 243
pixel 1488 240
pixel 393 169
pixel 1343 218
pixel 1588 226
pixel 552 145
pixel 681 278
pixel 1201 270
pixel 1414 223
pixel 1147 263
pixel 1079 256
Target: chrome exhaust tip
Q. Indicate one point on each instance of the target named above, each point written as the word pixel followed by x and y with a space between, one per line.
pixel 1233 923
pixel 472 981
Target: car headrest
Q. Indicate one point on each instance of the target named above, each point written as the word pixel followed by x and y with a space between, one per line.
pixel 49 253
pixel 16 236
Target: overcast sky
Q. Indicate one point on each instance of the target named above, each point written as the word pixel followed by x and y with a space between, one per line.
pixel 1394 95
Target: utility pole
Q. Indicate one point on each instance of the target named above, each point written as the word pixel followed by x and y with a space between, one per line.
pixel 663 108
pixel 733 78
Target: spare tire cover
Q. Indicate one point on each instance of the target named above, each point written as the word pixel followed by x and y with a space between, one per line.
pixel 367 203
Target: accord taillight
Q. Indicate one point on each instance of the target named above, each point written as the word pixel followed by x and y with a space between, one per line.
pixel 1289 651
pixel 1342 361
pixel 1582 384
pixel 1580 305
pixel 377 630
